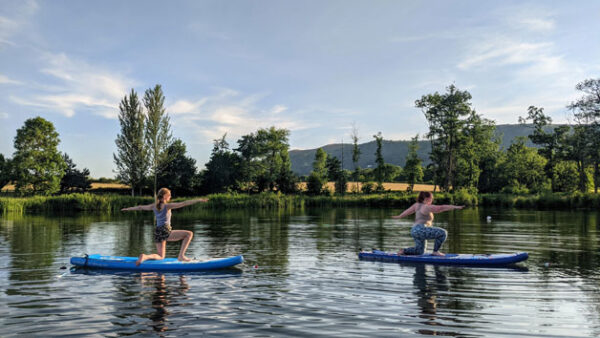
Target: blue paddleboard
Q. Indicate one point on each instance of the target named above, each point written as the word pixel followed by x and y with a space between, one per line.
pixel 167 264
pixel 454 259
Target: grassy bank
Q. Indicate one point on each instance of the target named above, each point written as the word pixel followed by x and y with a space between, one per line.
pixel 547 201
pixel 69 203
pixel 114 203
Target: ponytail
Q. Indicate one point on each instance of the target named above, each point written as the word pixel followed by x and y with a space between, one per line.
pixel 160 197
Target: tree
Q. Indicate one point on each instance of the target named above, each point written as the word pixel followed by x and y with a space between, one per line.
pixel 158 131
pixel 74 180
pixel 552 144
pixel 479 145
pixel 38 166
pixel 523 169
pixel 265 160
pixel 446 116
pixel 578 150
pixel 223 170
pixel 355 155
pixel 413 171
pixel 587 113
pixel 6 172
pixel 336 174
pixel 318 177
pixel 566 179
pixel 179 173
pixel 286 180
pixel 379 170
pixel 132 153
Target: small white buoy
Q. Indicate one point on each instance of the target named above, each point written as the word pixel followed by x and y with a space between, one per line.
pixel 546 264
pixel 489 218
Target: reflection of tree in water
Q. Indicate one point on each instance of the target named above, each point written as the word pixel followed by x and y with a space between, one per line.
pixel 261 235
pixel 161 298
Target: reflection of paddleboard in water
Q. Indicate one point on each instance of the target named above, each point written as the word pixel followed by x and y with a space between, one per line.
pixel 167 264
pixel 456 259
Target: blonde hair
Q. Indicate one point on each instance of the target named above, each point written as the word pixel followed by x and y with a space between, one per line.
pixel 160 197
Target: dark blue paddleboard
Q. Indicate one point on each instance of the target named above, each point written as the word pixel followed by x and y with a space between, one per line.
pixel 455 259
pixel 167 264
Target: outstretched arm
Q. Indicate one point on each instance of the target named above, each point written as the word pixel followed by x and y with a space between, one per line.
pixel 139 207
pixel 441 208
pixel 186 203
pixel 407 212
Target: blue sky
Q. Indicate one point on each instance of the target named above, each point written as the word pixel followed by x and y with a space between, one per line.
pixel 313 67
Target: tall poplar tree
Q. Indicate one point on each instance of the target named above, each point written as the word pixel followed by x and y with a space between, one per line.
pixel 355 155
pixel 158 131
pixel 132 154
pixel 318 177
pixel 412 168
pixel 380 169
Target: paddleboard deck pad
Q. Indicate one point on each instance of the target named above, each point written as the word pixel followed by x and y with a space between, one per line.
pixel 452 259
pixel 167 264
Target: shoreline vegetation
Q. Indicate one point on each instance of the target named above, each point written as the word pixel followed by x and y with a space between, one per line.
pixel 112 203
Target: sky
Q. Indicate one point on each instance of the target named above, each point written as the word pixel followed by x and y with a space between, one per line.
pixel 316 68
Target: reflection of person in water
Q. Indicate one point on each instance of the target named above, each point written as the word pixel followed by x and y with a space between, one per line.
pixel 427 291
pixel 161 298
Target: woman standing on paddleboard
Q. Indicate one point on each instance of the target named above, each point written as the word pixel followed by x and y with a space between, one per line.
pixel 163 233
pixel 422 230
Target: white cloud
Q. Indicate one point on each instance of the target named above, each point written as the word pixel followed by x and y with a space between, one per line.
pixel 504 51
pixel 21 13
pixel 278 109
pixel 3 115
pixel 230 112
pixel 78 87
pixel 537 24
pixel 7 80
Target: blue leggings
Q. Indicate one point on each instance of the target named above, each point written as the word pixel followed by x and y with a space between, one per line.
pixel 421 234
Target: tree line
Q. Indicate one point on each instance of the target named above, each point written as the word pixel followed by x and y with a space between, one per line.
pixel 465 154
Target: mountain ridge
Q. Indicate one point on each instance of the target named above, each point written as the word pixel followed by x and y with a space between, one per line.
pixel 394 152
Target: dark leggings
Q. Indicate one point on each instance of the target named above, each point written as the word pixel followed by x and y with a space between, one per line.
pixel 421 234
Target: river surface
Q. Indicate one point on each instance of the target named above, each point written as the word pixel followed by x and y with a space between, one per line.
pixel 302 276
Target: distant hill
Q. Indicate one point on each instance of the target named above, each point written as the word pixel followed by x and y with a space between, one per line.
pixel 394 152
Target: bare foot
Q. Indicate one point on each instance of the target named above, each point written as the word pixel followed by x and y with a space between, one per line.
pixel 400 252
pixel 183 259
pixel 437 253
pixel 140 260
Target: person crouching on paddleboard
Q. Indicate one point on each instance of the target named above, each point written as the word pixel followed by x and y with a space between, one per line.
pixel 163 233
pixel 422 230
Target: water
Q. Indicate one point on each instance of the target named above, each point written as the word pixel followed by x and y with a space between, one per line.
pixel 308 280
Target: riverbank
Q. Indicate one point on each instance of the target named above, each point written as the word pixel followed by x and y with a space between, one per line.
pixel 114 203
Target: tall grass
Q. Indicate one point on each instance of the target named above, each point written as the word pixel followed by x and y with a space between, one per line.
pixel 542 201
pixel 112 203
pixel 69 203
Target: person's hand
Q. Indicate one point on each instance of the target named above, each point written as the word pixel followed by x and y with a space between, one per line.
pixel 459 206
pixel 203 200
